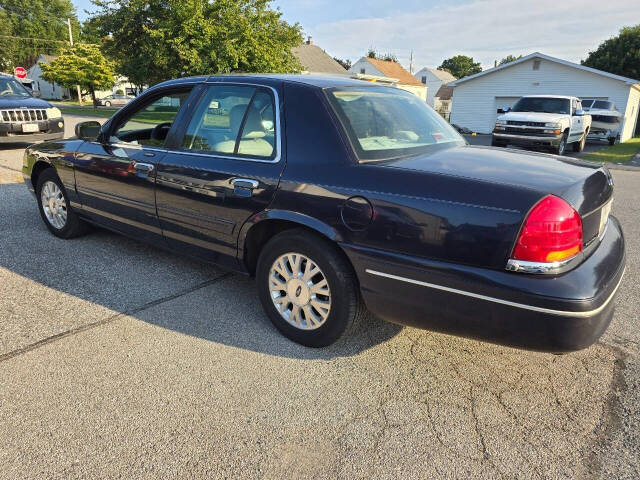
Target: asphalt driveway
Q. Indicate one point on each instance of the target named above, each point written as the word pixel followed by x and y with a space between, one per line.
pixel 121 360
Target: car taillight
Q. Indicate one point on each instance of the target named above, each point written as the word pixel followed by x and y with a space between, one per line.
pixel 552 232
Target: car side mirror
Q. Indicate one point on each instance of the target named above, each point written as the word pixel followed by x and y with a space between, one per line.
pixel 88 131
pixel 579 113
pixel 35 94
pixel 506 109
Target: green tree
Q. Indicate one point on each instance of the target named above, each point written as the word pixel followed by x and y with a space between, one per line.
pixel 154 40
pixel 460 66
pixel 82 65
pixel 33 27
pixel 389 57
pixel 346 63
pixel 509 59
pixel 618 55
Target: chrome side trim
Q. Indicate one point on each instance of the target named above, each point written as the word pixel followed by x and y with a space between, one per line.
pixel 539 267
pixel 508 303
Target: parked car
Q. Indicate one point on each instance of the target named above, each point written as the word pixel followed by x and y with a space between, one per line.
pixel 338 194
pixel 24 118
pixel 543 121
pixel 116 100
pixel 606 120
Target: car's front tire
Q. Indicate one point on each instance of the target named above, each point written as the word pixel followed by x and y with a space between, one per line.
pixel 107 104
pixel 561 147
pixel 498 143
pixel 307 288
pixel 54 206
pixel 612 141
pixel 579 145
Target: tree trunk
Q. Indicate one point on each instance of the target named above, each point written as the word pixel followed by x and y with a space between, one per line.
pixel 93 97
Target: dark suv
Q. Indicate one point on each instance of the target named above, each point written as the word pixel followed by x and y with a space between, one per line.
pixel 25 119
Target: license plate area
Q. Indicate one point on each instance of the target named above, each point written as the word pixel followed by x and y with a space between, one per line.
pixel 30 128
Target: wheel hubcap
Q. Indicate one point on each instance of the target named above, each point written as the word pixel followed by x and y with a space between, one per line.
pixel 300 291
pixel 54 205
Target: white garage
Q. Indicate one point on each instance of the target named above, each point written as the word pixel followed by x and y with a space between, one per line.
pixel 477 98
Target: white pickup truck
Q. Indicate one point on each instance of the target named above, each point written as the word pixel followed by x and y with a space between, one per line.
pixel 543 121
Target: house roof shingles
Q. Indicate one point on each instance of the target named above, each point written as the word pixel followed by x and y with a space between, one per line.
pixel 443 75
pixel 445 92
pixel 394 70
pixel 316 60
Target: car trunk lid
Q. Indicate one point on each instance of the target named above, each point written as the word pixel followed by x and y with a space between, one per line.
pixel 586 186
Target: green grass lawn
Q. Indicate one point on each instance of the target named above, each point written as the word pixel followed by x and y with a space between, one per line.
pixel 620 152
pixel 88 112
pixel 144 117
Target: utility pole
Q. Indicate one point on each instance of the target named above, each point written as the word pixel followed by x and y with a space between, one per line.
pixel 71 42
pixel 411 63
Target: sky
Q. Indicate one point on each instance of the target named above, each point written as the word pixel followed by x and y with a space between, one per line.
pixel 486 30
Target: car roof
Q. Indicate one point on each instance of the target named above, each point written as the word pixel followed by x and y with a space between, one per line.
pixel 320 81
pixel 549 96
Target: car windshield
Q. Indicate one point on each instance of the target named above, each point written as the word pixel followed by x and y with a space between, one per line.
pixel 386 122
pixel 603 104
pixel 543 105
pixel 11 88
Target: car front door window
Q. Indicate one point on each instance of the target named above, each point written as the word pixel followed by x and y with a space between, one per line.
pixel 150 125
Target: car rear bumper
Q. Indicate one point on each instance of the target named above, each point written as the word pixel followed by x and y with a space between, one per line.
pixel 553 313
pixel 527 140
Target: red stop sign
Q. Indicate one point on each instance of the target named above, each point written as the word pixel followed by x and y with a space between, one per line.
pixel 20 72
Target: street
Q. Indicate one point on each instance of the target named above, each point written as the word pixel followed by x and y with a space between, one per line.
pixel 122 360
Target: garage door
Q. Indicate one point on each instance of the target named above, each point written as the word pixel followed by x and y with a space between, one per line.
pixel 502 102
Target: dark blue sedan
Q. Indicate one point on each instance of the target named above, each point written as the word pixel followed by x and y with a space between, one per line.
pixel 339 194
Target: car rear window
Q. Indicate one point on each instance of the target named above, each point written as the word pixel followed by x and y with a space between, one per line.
pixel 386 122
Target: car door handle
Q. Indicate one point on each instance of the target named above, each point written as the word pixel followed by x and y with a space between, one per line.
pixel 142 167
pixel 244 183
pixel 243 187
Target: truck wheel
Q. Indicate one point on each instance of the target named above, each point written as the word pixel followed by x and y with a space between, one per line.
pixel 579 145
pixel 612 141
pixel 559 150
pixel 498 143
pixel 307 289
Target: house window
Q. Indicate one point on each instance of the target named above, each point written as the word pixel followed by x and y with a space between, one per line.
pixel 423 79
pixel 362 70
pixel 536 64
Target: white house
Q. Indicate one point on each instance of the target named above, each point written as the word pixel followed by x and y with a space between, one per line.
pixel 442 100
pixel 392 71
pixel 50 91
pixel 433 79
pixel 477 98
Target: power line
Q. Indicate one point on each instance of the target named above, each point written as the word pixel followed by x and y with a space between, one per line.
pixel 33 38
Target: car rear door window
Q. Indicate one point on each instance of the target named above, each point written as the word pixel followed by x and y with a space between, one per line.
pixel 233 120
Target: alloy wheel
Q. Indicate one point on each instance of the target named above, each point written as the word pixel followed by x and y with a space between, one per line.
pixel 54 204
pixel 300 291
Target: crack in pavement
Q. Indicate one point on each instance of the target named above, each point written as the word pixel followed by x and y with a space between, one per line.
pixel 111 318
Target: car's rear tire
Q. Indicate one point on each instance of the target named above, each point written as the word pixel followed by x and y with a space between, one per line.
pixel 562 146
pixel 307 288
pixel 612 141
pixel 579 145
pixel 55 208
pixel 107 104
